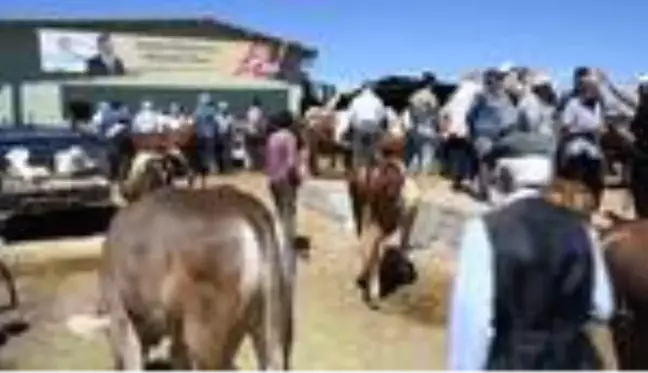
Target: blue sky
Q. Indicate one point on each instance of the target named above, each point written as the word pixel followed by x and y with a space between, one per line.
pixel 360 39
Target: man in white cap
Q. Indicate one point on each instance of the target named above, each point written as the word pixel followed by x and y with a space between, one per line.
pixel 530 276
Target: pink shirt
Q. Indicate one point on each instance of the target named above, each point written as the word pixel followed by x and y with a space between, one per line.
pixel 282 155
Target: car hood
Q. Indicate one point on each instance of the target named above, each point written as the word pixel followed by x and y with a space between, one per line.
pixel 37 135
pixel 43 143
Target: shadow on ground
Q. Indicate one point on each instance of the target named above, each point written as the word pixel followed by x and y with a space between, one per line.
pixel 76 222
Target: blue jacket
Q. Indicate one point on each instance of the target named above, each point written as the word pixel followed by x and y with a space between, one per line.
pixel 491 114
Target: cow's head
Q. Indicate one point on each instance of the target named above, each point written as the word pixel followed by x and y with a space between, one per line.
pixel 151 177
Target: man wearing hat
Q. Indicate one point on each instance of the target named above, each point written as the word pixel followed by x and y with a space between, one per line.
pixel 491 114
pixel 582 123
pixel 530 276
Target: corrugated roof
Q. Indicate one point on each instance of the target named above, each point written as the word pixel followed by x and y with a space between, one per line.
pixel 196 21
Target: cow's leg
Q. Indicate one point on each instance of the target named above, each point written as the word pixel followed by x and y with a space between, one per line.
pixel 371 244
pixel 125 343
pixel 179 355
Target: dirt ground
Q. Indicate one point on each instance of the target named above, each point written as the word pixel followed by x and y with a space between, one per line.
pixel 335 330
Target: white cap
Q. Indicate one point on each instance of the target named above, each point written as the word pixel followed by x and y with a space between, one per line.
pixel 223 105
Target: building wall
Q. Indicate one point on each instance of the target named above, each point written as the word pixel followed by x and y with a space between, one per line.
pixel 23 66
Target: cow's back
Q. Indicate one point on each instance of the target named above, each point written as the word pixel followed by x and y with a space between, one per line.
pixel 627 259
pixel 175 247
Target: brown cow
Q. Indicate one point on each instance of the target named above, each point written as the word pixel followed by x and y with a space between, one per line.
pixel 203 269
pixel 320 124
pixel 627 258
pixel 383 201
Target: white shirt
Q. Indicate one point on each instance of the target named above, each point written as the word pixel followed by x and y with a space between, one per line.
pixel 146 121
pixel 366 107
pixel 456 109
pixel 254 115
pixel 578 118
pixel 170 122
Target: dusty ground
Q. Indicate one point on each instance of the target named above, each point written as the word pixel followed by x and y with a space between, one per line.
pixel 334 329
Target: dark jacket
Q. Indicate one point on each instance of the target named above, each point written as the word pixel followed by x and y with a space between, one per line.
pixel 543 285
pixel 96 66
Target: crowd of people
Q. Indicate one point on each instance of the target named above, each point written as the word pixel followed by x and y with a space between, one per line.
pixel 503 112
pixel 224 141
pixel 531 272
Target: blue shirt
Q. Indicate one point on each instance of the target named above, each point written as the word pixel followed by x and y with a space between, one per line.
pixel 491 113
pixel 472 298
pixel 205 117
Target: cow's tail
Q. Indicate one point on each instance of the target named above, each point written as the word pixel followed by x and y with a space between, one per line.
pixel 278 288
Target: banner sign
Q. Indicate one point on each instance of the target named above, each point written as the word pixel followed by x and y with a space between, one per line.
pixel 95 53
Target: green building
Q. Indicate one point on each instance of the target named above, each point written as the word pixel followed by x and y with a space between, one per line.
pixel 49 68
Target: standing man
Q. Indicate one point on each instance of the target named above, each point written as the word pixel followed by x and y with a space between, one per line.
pixel 256 121
pixel 205 122
pixel 367 116
pixel 422 122
pixel 223 139
pixel 582 124
pixel 453 123
pixel 491 114
pixel 284 170
pixel 530 277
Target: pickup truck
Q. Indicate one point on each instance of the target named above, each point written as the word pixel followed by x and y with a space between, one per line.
pixel 44 169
